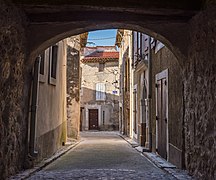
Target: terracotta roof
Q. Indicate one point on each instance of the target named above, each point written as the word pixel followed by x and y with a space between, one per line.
pixel 95 47
pixel 101 56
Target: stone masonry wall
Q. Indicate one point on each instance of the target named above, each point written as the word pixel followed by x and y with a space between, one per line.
pixel 200 96
pixel 12 119
pixel 73 87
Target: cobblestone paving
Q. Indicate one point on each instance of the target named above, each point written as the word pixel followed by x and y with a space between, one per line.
pixel 103 174
pixel 104 156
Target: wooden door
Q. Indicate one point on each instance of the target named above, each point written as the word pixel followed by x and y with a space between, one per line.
pixel 93 119
pixel 81 117
pixel 162 117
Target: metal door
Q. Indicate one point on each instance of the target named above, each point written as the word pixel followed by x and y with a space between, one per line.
pixel 162 117
pixel 93 119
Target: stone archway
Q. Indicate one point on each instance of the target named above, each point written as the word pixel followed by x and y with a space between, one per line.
pixel 50 22
pixel 37 35
pixel 27 30
pixel 173 42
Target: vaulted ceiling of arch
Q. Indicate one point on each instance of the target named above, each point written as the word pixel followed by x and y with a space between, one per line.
pixel 58 16
pixel 171 4
pixel 70 10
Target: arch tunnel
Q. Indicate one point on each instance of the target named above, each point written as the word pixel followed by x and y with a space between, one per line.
pixel 188 32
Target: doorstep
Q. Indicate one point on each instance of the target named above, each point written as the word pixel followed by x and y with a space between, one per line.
pixel 167 166
pixel 158 161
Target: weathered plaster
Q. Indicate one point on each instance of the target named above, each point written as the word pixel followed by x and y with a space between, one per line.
pixel 51 113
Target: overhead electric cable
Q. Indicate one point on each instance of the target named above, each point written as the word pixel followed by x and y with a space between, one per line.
pixel 102 38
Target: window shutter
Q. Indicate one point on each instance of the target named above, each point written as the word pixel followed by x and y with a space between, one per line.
pixel 54 61
pixel 100 91
pixel 103 95
pixel 97 92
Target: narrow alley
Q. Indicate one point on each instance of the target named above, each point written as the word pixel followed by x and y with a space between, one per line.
pixel 102 155
pixel 107 89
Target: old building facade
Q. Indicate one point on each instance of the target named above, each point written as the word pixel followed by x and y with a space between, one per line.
pixel 74 46
pixel 153 77
pixel 48 118
pixel 99 88
pixel 123 41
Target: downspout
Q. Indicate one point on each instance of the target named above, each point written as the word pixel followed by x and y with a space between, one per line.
pixel 143 107
pixel 150 96
pixel 123 91
pixel 122 84
pixel 34 102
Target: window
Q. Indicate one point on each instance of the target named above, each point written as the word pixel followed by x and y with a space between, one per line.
pixel 101 67
pixel 158 46
pixel 53 64
pixel 135 48
pixel 54 58
pixel 138 47
pixel 100 92
pixel 141 45
pixel 127 75
pixel 42 69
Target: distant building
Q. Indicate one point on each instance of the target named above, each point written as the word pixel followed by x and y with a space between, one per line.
pixel 99 88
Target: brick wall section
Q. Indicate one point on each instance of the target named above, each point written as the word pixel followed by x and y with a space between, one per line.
pixel 200 96
pixel 12 118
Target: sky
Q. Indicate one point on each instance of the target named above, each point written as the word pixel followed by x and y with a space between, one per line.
pixel 102 38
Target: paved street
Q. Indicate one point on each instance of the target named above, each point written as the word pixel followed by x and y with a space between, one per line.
pixel 102 155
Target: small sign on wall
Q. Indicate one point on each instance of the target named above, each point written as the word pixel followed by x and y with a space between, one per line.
pixel 115 92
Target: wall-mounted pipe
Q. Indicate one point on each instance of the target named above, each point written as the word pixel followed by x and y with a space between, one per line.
pixel 150 96
pixel 122 123
pixel 34 105
pixel 143 110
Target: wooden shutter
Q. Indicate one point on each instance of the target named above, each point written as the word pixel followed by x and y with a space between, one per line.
pixel 100 91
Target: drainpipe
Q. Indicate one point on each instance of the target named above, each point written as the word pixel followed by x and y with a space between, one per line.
pixel 123 130
pixel 123 92
pixel 123 108
pixel 143 107
pixel 150 97
pixel 34 100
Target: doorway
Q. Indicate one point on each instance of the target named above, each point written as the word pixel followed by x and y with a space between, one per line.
pixel 93 119
pixel 162 113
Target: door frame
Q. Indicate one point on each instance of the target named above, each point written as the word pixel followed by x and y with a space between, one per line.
pixel 163 74
pixel 87 107
pixel 97 119
pixel 135 111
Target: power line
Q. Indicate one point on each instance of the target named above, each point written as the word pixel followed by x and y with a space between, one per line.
pixel 102 39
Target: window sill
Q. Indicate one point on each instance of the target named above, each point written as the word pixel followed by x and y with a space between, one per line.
pixel 42 78
pixel 52 81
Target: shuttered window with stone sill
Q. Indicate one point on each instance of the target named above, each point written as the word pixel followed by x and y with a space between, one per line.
pixel 53 61
pixel 100 92
pixel 42 75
